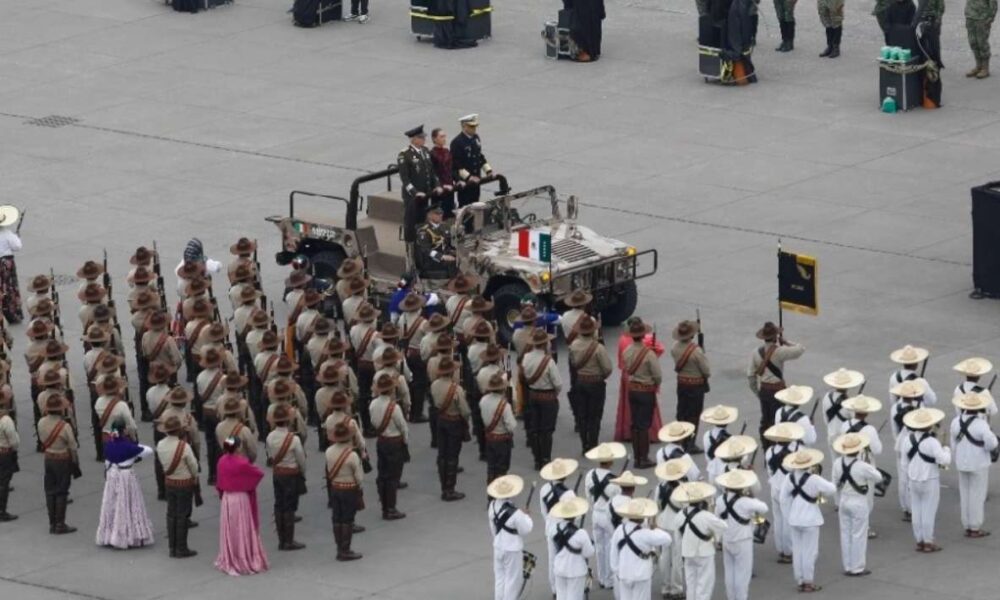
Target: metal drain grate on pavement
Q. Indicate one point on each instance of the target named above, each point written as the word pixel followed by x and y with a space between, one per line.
pixel 53 121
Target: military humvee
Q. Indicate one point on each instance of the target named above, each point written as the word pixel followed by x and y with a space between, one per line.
pixel 486 236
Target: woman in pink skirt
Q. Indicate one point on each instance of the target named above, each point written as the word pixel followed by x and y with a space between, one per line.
pixel 124 521
pixel 623 419
pixel 240 549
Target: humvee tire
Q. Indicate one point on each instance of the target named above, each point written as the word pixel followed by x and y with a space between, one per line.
pixel 617 313
pixel 507 307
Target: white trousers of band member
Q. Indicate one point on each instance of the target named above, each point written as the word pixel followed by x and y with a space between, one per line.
pixel 972 486
pixel 671 567
pixel 737 563
pixel 551 559
pixel 602 555
pixel 699 577
pixel 903 479
pixel 780 530
pixel 571 588
pixel 634 590
pixel 924 497
pixel 805 548
pixel 853 515
pixel 508 574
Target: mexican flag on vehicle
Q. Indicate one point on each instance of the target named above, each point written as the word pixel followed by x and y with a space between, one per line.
pixel 535 244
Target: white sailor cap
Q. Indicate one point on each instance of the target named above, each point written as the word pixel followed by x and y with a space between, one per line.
pixel 472 120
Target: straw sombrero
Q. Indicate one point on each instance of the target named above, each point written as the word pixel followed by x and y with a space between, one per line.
pixel 971 401
pixel 923 418
pixel 638 508
pixel 794 395
pixel 692 492
pixel 673 469
pixel 909 389
pixel 909 355
pixel 863 404
pixel 844 379
pixel 737 479
pixel 783 433
pixel 570 508
pixel 559 469
pixel 802 459
pixel 720 415
pixel 629 480
pixel 736 447
pixel 850 443
pixel 676 431
pixel 507 486
pixel 974 367
pixel 9 215
pixel 606 452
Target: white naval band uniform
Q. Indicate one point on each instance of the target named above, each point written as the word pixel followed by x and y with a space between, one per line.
pixel 799 494
pixel 571 566
pixel 671 562
pixel 507 524
pixel 632 550
pixel 973 441
pixel 737 541
pixel 600 521
pixel 924 454
pixel 710 442
pixel 773 457
pixel 793 414
pixel 834 413
pixel 698 529
pixel 896 413
pixel 552 493
pixel 855 478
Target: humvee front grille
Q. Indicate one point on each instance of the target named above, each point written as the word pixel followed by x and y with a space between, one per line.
pixel 571 251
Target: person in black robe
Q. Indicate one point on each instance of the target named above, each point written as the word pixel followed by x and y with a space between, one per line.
pixel 452 34
pixel 585 27
pixel 897 25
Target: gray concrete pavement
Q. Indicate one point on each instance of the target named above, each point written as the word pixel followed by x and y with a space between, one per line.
pixel 200 126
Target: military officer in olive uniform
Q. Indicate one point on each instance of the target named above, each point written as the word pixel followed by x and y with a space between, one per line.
pixel 435 254
pixel 468 160
pixel 416 172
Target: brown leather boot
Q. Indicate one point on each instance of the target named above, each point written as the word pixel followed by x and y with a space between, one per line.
pixel 288 521
pixel 344 552
pixel 975 70
pixel 984 70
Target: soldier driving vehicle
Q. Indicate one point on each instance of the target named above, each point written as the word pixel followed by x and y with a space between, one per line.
pixel 506 241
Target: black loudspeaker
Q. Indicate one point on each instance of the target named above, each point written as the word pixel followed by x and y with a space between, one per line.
pixel 986 240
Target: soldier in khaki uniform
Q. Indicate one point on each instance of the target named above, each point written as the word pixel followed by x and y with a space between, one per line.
pixel 498 416
pixel 344 475
pixel 357 287
pixel 765 372
pixel 388 363
pixel 459 305
pixel 644 378
pixel 181 472
pixel 143 258
pixel 160 376
pixel 340 412
pixel 363 341
pixel 194 332
pixel 348 270
pixel 40 288
pixel 490 359
pixel 62 463
pixel 156 345
pixel 453 426
pixel 287 459
pixel 412 325
pixel 285 369
pixel 569 322
pixel 9 445
pixel 691 366
pixel 233 411
pixel 520 342
pixel 242 252
pixel 176 403
pixel 236 387
pixel 305 327
pixel 543 385
pixel 589 360
pixel 142 280
pixel 392 448
pixel 110 407
pixel 92 295
pixel 316 346
pixel 209 387
pixel 281 393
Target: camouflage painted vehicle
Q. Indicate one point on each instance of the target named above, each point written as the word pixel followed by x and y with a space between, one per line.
pixel 485 235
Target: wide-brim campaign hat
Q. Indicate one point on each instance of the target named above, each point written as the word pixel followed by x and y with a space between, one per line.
pixel 43 308
pixel 720 414
pixel 437 323
pixel 159 372
pixel 673 469
pixel 606 452
pixel 570 508
pixel 234 381
pixel 850 443
pixel 190 269
pixel 340 433
pixel 390 357
pixel 322 327
pixel 412 302
pixel 366 313
pixel 243 246
pixel 971 401
pixel 527 315
pixel 281 415
pixel 171 425
pixel 55 404
pixel 736 447
pixel 578 298
pixel 310 298
pixel 96 335
pixel 638 509
pixel 923 418
pixel 357 285
pixel 39 328
pixel 737 479
pixel 802 459
pixel 200 309
pixel 9 215
pixel 540 337
pixel 250 294
pixel 339 400
pixel 480 305
pixel 147 299
pixel 482 330
pixel 158 320
pixel 676 431
pixel 336 346
pixel 909 355
pixel 298 279
pixel 768 331
pixel 90 270
pixel 389 332
pixel 637 329
pixel 328 375
pixel 268 341
pixel 279 390
pixel 243 273
pixel 586 326
pixel 863 404
pixel 196 286
pixel 629 479
pixel 559 469
pixel 385 384
pixel 909 389
pixel 259 319
pixel 794 395
pixel 446 367
pixel 350 267
pixel 142 256
pixel 210 358
pixel 463 282
pixel 444 343
pixel 51 378
pixel 844 379
pixel 39 283
pixel 685 331
pixel 285 365
pixel 109 363
pixel 505 487
pixel 692 492
pixel 178 396
pixel 232 406
pixel 55 349
pixel 974 367
pixel 102 314
pixel 215 333
pixel 496 383
pixel 491 354
pixel 92 293
pixel 110 386
pixel 142 276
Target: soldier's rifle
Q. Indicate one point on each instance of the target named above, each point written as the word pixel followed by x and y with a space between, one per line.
pixel 701 334
pixel 20 222
pixel 531 494
pixel 56 316
pixel 227 343
pixel 923 368
pixel 576 486
pixel 989 388
pixel 812 413
pixel 256 268
pixel 274 325
pixel 628 459
pixel 158 271
pixel 861 390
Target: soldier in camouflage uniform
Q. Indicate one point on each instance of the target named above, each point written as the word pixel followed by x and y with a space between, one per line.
pixel 979 15
pixel 831 14
pixel 785 11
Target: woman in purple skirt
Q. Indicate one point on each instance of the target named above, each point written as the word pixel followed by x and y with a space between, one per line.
pixel 124 521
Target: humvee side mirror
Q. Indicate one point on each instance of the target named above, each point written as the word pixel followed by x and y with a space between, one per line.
pixel 572 209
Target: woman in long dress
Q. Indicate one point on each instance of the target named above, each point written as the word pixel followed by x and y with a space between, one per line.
pixel 124 522
pixel 10 242
pixel 623 420
pixel 241 551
